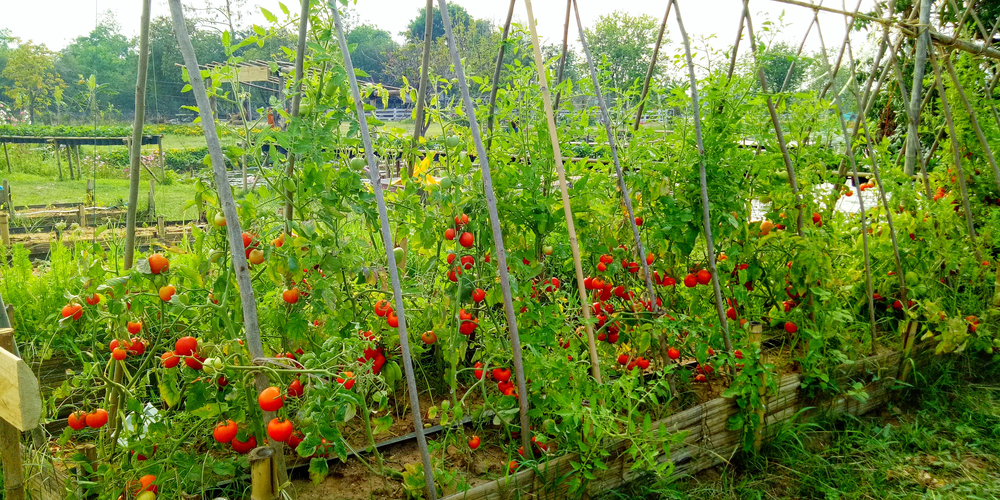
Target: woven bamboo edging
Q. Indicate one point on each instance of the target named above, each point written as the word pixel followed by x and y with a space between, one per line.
pixel 706 441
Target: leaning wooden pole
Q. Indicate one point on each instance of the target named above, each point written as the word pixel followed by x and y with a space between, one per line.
pixel 300 52
pixel 849 149
pixel 776 124
pixel 135 153
pixel 920 61
pixel 703 179
pixel 870 145
pixel 564 53
pixel 425 62
pixel 650 70
pixel 496 76
pixel 574 244
pixel 957 153
pixel 973 119
pixel 491 205
pixel 606 118
pixel 234 232
pixel 375 177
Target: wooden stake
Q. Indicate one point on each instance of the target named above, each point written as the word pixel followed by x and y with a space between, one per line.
pixel 496 76
pixel 651 69
pixel 234 232
pixel 387 241
pixel 703 176
pixel 909 335
pixel 163 163
pixel 161 230
pixel 300 53
pixel 957 155
pixel 425 62
pixel 10 197
pixel 913 131
pixel 626 196
pixel 484 164
pixel 152 197
pixel 6 157
pixel 10 437
pixel 5 230
pixel 55 145
pixel 574 244
pixel 562 56
pixel 135 149
pixel 755 339
pixel 82 217
pixel 972 118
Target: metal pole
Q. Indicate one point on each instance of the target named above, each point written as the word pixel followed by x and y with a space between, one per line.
pixel 376 180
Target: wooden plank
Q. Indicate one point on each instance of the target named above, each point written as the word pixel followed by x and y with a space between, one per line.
pixel 251 74
pixel 20 401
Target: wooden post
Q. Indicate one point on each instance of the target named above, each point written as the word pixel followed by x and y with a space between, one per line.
pixel 83 215
pixel 909 335
pixel 6 157
pixel 89 451
pixel 5 230
pixel 69 159
pixel 262 474
pixel 755 339
pixel 10 197
pixel 20 409
pixel 152 198
pixel 59 162
pixel 163 163
pixel 160 227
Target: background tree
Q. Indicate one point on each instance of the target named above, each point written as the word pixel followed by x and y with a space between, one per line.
pixel 372 50
pixel 34 81
pixel 7 44
pixel 776 60
pixel 106 54
pixel 164 93
pixel 458 15
pixel 624 45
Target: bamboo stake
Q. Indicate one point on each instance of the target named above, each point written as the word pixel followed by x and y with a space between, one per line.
pixel 703 177
pixel 650 70
pixel 136 145
pixel 574 244
pixel 606 118
pixel 869 144
pixel 6 157
pixel 736 47
pixel 972 118
pixel 376 180
pixel 425 62
pixel 233 230
pixel 491 203
pixel 869 288
pixel 957 154
pixel 776 123
pixel 565 51
pixel 496 75
pixel 913 132
pixel 907 29
pixel 300 53
pixel 791 67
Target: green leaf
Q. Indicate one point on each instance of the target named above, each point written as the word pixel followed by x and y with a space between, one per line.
pixel 271 18
pixel 318 468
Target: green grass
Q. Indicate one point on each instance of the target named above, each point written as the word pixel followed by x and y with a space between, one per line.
pixel 29 189
pixel 941 442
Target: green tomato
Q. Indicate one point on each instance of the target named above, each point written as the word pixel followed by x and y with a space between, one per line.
pixel 399 253
pixel 214 256
pixel 446 182
pixel 912 278
pixel 220 219
pixel 358 163
pixel 782 174
pixel 547 250
pixel 452 142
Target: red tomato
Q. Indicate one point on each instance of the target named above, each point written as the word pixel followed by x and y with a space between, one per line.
pixel 279 430
pixel 295 389
pixel 501 374
pixel 478 295
pixel 74 310
pixel 167 292
pixel 673 353
pixel 474 442
pixel 134 327
pixel 466 240
pixel 97 418
pixel 270 399
pixel 449 234
pixel 77 420
pixel 170 359
pixel 119 354
pixel 244 446
pixel 690 281
pixel 158 263
pixel 186 346
pixel 291 295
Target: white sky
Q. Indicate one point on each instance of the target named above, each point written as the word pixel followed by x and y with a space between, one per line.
pixel 57 22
